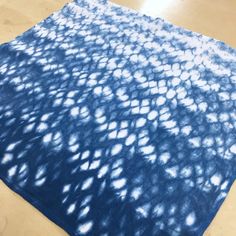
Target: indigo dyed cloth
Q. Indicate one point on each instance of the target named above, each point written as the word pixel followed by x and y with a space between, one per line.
pixel 114 123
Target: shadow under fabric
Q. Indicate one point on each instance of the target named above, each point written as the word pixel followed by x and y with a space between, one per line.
pixel 115 123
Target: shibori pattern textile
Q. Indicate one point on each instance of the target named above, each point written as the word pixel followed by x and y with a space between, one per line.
pixel 114 123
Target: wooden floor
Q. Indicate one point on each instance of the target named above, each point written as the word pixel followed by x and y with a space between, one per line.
pixel 213 18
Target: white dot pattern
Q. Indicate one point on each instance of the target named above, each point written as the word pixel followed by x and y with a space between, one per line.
pixel 115 123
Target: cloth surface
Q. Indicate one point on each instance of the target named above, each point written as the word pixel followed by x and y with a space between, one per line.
pixel 115 123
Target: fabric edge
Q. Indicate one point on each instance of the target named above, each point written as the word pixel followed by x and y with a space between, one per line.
pixel 38 206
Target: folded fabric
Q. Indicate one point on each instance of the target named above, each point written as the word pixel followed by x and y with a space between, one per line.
pixel 115 123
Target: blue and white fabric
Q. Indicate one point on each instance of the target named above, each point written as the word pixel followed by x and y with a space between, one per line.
pixel 114 123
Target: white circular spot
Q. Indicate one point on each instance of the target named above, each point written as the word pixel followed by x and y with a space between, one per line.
pixel 119 183
pixel 190 219
pixel 233 149
pixel 147 149
pixel 42 126
pixel 71 208
pixel 175 81
pixel 7 157
pixel 66 188
pixel 186 172
pixel 172 172
pixel 159 209
pixel 170 94
pixel 160 101
pixel 116 149
pixel 99 112
pixel 140 122
pixel 216 179
pixel 152 115
pixel 85 228
pixel 164 157
pixel 69 102
pixel 130 140
pixel 195 142
pixel 87 183
pixel 47 138
pixel 103 171
pixel 98 90
pixel 208 142
pixel 202 106
pixel 45 117
pixel 122 133
pixel 12 171
pixel 186 130
pixel 136 193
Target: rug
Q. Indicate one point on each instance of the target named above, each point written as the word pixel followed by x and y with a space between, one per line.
pixel 115 123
